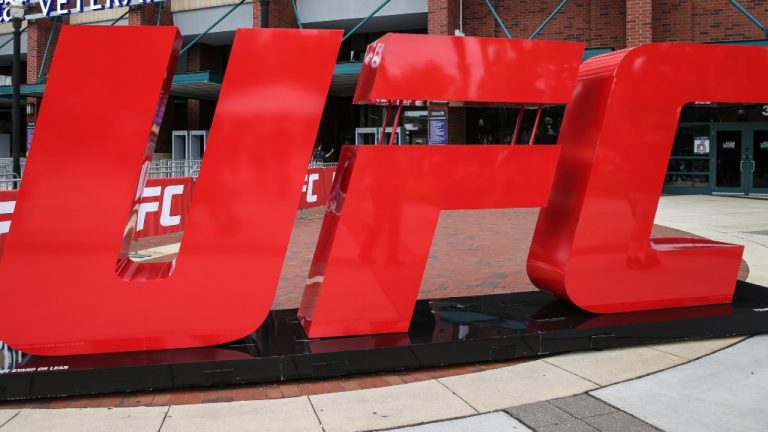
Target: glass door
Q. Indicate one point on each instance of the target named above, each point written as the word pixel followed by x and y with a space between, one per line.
pixel 757 160
pixel 730 152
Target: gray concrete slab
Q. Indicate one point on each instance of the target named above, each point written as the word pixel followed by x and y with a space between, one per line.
pixel 516 385
pixel 496 421
pixel 619 422
pixel 540 414
pixel 140 419
pixel 696 348
pixel 274 415
pixel 727 390
pixel 583 406
pixel 615 365
pixel 574 425
pixel 580 413
pixel 388 407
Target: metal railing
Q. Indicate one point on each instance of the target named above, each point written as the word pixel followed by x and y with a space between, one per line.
pixel 9 179
pixel 175 168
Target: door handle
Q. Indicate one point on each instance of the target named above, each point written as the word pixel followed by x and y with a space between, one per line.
pixel 741 166
pixel 753 166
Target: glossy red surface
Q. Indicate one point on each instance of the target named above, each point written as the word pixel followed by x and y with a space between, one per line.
pixel 377 232
pixel 375 239
pixel 467 69
pixel 65 287
pixel 592 243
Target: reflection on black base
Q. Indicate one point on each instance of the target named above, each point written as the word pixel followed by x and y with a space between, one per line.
pixel 443 332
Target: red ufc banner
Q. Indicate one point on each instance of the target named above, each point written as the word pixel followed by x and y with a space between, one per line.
pixel 7 205
pixel 165 202
pixel 164 206
pixel 317 187
pixel 598 188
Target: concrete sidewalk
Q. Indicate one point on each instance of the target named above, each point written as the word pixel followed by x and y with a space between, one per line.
pixel 677 386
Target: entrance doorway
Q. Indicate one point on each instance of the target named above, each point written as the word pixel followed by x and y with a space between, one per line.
pixel 739 158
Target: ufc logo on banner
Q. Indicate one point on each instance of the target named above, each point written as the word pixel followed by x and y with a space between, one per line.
pixel 599 189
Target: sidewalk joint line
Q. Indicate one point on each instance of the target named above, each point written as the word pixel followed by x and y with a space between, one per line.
pixel 314 410
pixel 162 423
pixel 457 395
pixel 9 420
pixel 673 355
pixel 573 373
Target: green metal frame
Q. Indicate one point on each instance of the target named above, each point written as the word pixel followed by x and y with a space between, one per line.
pixel 498 18
pixel 547 20
pixel 538 29
pixel 364 20
pixel 593 52
pixel 198 77
pixel 296 11
pixel 11 38
pixel 749 16
pixel 47 49
pixel 159 7
pixel 210 27
pixel 120 17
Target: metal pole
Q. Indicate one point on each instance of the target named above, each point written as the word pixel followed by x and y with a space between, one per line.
pixel 549 18
pixel 296 12
pixel 518 124
pixel 16 113
pixel 159 13
pixel 264 4
pixel 396 124
pixel 535 126
pixel 751 17
pixel 498 19
pixel 386 120
pixel 364 20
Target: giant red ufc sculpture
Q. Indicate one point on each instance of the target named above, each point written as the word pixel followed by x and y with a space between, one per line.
pixel 68 294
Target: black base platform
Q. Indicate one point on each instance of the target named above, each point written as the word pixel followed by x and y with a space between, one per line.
pixel 443 332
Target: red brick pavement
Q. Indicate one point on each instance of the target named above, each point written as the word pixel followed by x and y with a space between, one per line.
pixel 474 252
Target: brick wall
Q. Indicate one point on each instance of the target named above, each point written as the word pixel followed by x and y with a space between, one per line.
pixel 147 14
pixel 38 32
pixel 706 20
pixel 639 24
pixel 200 114
pixel 443 16
pixel 281 14
pixel 202 57
pixel 598 23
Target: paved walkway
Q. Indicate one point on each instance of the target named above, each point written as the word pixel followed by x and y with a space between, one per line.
pixel 640 388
